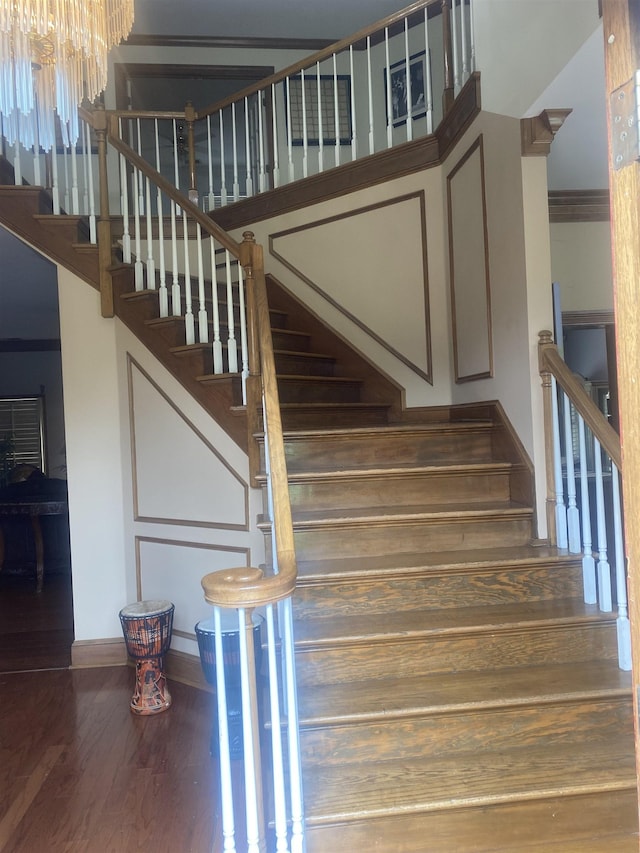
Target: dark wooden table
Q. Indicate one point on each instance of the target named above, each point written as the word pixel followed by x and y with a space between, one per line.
pixel 34 508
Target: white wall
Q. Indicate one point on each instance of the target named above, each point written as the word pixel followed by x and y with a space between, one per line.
pixel 581 263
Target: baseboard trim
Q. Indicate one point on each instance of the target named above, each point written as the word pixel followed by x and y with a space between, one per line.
pixel 110 651
pixel 185 668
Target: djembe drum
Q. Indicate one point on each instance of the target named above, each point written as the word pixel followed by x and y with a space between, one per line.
pixel 146 626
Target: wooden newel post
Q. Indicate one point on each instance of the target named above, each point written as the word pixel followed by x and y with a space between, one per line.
pixel 544 342
pixel 190 117
pixel 255 725
pixel 105 257
pixel 448 95
pixel 253 265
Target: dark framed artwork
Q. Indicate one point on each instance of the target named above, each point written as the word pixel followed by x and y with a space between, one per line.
pixel 326 89
pixel 400 90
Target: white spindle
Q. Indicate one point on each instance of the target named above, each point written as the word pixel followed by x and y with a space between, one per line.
pixel 137 206
pixel 276 160
pixel 17 166
pixel 279 796
pixel 124 204
pixel 203 322
pixel 234 140
pixel 472 39
pixel 67 195
pixel 211 197
pixel 262 172
pixel 247 146
pixel 428 83
pixel 244 347
pixel 55 189
pixel 189 320
pixel 370 97
pixel 295 764
pixel 320 128
pixel 92 198
pixel 150 264
pixel 176 307
pixel 224 756
pixel 456 56
pixel 622 623
pixel 305 139
pixel 289 134
pixel 84 154
pixel 463 44
pixel 604 569
pixel 75 196
pixel 354 138
pixel 588 563
pixel 388 94
pixel 218 366
pixel 232 350
pixel 223 177
pixel 163 294
pixel 407 59
pixel 561 512
pixel 336 110
pixel 250 765
pixel 573 516
pixel 37 178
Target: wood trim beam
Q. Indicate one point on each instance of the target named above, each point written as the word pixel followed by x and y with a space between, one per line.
pixel 538 132
pixel 579 206
pixel 251 43
pixel 587 318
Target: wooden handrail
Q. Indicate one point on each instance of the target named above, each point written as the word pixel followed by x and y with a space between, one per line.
pixel 550 362
pixel 326 52
pixel 250 587
pixel 168 188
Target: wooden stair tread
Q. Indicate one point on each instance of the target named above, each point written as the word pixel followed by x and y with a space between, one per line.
pixel 386 430
pixel 498 618
pixel 340 793
pixel 445 561
pixel 623 843
pixel 329 380
pixel 435 512
pixel 405 471
pixel 379 699
pixel 308 356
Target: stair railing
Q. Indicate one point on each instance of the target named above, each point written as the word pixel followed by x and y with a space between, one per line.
pixel 244 591
pixel 584 509
pixel 390 83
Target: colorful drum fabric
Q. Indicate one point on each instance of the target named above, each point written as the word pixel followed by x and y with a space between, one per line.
pixel 147 627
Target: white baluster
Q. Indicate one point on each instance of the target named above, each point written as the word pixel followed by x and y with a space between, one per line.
pixel 93 236
pixel 218 366
pixel 276 146
pixel 388 93
pixel 472 59
pixel 211 197
pixel 250 759
pixel 55 189
pixel 84 153
pixel 247 146
pixel 151 264
pixel 409 96
pixel 124 204
pixel 37 178
pixel 289 134
pixel 463 44
pixel 137 206
pixel 203 320
pixel 320 129
pixel 223 177
pixel 244 348
pixel 234 139
pixel 176 307
pixel 295 764
pixel 189 320
pixel 354 137
pixel 336 110
pixel 163 294
pixel 17 165
pixel 67 183
pixel 305 139
pixel 428 84
pixel 224 757
pixel 573 516
pixel 588 563
pixel 622 623
pixel 370 97
pixel 262 173
pixel 604 569
pixel 232 350
pixel 456 57
pixel 279 798
pixel 561 512
pixel 75 196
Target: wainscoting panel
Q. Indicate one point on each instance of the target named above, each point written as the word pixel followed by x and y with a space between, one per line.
pixel 178 476
pixel 469 267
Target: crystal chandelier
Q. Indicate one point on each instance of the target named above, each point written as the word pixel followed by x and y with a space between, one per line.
pixel 53 55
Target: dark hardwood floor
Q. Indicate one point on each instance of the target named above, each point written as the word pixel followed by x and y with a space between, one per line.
pixel 79 773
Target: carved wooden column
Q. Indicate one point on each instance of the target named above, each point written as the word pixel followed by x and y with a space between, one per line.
pixel 104 220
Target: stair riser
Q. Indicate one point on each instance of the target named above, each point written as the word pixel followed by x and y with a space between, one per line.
pixel 318 390
pixel 466 651
pixel 290 340
pixel 476 731
pixel 437 591
pixel 410 537
pixel 345 452
pixel 506 827
pixel 298 364
pixel 398 490
pixel 334 418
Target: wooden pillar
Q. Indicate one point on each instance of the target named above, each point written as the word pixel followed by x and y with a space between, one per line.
pixel 546 340
pixel 251 258
pixel 104 220
pixel 190 117
pixel 621 23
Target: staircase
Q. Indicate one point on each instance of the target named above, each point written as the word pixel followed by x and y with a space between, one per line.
pixel 455 693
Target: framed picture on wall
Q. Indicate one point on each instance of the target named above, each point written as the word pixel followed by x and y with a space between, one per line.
pixel 400 90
